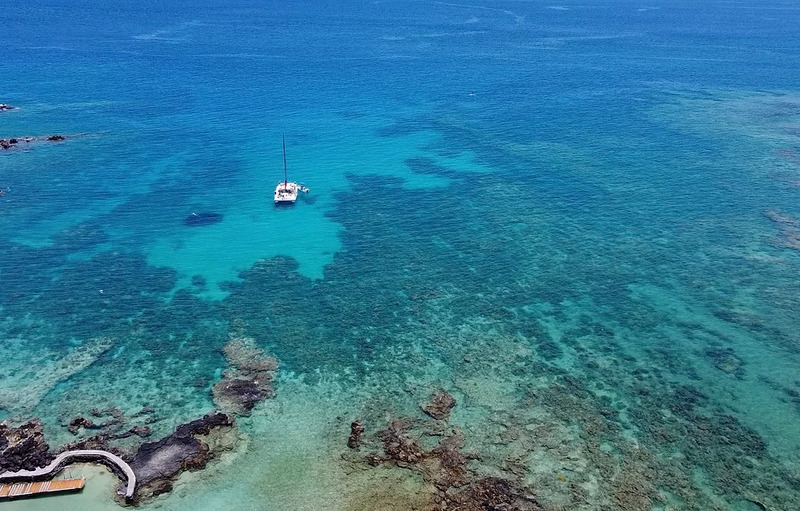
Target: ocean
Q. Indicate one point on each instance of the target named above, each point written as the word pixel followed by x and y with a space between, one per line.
pixel 578 219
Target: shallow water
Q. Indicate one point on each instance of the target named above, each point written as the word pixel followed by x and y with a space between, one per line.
pixel 580 220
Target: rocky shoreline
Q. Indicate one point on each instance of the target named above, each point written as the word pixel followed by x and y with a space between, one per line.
pixel 156 464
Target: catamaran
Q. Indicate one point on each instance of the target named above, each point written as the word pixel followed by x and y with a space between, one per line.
pixel 286 191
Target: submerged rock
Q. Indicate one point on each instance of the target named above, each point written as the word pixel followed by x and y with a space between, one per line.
pixel 789 229
pixel 440 404
pixel 356 430
pixel 446 466
pixel 201 219
pixel 78 422
pixel 725 360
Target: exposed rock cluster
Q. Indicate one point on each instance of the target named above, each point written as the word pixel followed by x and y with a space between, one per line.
pixel 23 447
pixel 11 143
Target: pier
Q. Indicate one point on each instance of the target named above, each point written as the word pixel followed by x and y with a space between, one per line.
pixel 79 455
pixel 15 490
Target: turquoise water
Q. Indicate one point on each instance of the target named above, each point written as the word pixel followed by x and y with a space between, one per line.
pixel 580 219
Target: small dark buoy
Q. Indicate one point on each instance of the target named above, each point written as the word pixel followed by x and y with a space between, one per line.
pixel 201 219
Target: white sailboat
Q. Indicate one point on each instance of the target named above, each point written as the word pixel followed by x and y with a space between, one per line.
pixel 286 191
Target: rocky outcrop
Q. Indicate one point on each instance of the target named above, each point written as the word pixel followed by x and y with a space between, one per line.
pixel 158 464
pixel 78 422
pixel 23 447
pixel 445 466
pixel 249 379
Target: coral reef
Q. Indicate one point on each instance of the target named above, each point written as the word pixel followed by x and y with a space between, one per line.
pixel 589 379
pixel 399 445
pixel 489 493
pixel 725 360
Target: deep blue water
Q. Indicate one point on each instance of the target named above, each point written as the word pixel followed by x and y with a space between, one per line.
pixel 590 176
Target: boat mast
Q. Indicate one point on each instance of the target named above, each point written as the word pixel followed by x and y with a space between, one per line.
pixel 285 179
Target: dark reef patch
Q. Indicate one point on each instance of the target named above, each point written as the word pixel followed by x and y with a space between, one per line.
pixel 202 219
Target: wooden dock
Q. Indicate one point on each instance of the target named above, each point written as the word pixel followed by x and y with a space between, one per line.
pixel 16 490
pixel 81 454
